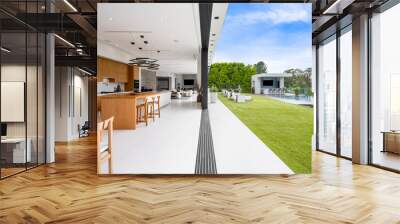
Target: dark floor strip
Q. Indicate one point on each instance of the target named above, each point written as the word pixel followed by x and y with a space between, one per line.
pixel 205 159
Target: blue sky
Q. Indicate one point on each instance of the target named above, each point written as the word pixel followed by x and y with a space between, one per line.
pixel 278 34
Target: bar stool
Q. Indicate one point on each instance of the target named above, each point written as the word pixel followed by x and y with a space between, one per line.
pixel 141 110
pixel 152 103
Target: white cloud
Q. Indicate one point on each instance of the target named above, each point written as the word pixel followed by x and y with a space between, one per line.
pixel 287 13
pixel 253 35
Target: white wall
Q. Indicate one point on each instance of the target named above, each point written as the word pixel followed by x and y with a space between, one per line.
pixel 148 79
pixel 79 117
pixel 172 84
pixel 62 85
pixel 171 77
pixel 69 112
pixel 181 77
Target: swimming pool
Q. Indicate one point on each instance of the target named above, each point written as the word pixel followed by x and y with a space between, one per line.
pixel 304 100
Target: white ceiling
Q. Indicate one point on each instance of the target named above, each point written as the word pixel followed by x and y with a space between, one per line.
pixel 172 29
pixel 217 21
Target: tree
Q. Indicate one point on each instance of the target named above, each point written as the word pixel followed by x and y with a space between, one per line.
pixel 261 67
pixel 299 81
pixel 231 76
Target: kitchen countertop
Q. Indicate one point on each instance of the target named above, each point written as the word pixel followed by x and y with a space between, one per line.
pixel 133 94
pixel 105 94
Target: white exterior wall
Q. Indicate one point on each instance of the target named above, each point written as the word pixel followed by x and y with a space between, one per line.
pixel 282 82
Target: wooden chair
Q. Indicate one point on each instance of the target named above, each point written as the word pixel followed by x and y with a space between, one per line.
pixel 142 111
pixel 104 151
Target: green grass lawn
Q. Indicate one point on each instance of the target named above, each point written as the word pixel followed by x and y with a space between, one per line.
pixel 285 128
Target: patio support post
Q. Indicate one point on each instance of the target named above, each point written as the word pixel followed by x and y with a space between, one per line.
pixel 205 11
pixel 204 78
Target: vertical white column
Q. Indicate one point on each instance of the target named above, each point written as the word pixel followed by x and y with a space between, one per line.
pixel 360 90
pixel 50 98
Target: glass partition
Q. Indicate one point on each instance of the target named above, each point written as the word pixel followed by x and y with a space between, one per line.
pixel 22 93
pixel 327 95
pixel 346 92
pixel 385 89
pixel 13 87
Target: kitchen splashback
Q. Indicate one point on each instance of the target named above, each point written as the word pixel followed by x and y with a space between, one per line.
pixel 109 87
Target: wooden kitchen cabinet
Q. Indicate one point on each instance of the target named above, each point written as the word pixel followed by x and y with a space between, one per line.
pixel 112 69
pixel 133 74
pixel 100 72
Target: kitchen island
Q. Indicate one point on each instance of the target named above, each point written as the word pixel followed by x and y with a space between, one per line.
pixel 123 106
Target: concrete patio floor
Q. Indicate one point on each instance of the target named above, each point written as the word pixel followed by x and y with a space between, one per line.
pixel 169 144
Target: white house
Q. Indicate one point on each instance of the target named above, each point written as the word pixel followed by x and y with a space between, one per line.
pixel 263 81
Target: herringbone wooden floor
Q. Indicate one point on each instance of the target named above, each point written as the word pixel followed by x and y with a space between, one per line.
pixel 70 192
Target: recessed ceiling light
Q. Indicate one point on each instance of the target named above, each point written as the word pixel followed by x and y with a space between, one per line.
pixel 176 41
pixel 145 42
pixel 110 18
pixel 140 48
pixel 133 43
pixel 141 36
pixel 217 17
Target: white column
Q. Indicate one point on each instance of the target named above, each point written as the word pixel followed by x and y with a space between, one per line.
pixel 360 90
pixel 50 98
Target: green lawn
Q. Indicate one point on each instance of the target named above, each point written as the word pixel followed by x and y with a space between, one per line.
pixel 285 128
